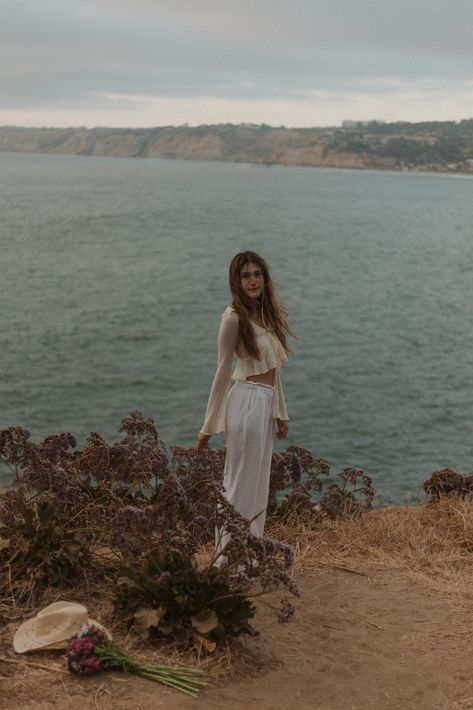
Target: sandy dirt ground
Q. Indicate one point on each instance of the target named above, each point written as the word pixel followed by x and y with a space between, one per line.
pixel 360 641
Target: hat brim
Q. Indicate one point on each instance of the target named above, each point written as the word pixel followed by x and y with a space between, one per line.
pixel 25 639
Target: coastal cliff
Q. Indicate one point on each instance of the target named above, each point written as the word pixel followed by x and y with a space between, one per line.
pixel 434 146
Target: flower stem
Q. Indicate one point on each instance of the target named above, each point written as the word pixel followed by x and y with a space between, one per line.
pixel 187 680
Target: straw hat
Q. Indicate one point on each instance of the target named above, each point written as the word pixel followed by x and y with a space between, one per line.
pixel 52 627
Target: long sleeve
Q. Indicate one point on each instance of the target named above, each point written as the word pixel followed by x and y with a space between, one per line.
pixel 281 412
pixel 227 342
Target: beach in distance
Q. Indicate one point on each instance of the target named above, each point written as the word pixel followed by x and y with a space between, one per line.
pixel 116 282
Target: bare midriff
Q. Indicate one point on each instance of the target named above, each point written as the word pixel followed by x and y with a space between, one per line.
pixel 266 378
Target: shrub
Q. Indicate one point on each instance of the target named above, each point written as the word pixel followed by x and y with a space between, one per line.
pixel 77 510
pixel 147 516
pixel 166 594
pixel 448 482
pixel 39 549
pixel 342 502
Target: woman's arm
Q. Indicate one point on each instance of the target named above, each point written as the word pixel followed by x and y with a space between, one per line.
pixel 216 408
pixel 202 441
pixel 283 428
pixel 281 417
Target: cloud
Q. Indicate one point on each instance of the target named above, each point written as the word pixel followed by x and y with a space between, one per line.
pixel 258 56
pixel 317 108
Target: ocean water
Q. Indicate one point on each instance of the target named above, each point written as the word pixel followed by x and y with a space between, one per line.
pixel 114 276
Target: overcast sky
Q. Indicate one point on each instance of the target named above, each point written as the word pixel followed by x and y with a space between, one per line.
pixel 291 62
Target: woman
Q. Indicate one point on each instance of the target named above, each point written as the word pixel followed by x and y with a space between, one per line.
pixel 254 328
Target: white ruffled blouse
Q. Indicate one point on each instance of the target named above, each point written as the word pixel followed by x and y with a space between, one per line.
pixel 272 356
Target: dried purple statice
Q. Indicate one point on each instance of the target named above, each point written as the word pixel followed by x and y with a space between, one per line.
pixel 287 611
pixel 15 446
pixel 448 482
pixel 136 426
pixel 295 477
pixel 130 529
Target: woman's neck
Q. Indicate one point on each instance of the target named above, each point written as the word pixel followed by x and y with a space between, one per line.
pixel 258 317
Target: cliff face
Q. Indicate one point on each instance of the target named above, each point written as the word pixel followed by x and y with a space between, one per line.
pixel 436 146
pixel 176 147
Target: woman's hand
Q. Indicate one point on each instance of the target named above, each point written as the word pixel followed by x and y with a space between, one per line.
pixel 283 428
pixel 202 441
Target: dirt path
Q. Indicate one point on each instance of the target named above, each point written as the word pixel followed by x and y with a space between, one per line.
pixel 358 642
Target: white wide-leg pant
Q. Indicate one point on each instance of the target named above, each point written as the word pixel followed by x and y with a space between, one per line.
pixel 249 435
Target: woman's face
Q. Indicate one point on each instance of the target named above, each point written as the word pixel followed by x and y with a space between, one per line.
pixel 252 280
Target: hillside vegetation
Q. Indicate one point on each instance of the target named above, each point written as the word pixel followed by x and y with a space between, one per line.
pixel 430 146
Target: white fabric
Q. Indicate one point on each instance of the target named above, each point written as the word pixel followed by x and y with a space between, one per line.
pixel 249 434
pixel 272 356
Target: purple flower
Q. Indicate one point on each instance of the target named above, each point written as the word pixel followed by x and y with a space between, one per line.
pixel 81 652
pixel 165 576
pixel 295 469
pixel 92 664
pixel 100 635
pixel 75 645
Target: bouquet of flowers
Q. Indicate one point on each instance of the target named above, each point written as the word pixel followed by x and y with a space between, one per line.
pixel 90 651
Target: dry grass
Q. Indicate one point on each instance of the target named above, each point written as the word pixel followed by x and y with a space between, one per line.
pixel 429 546
pixel 434 541
pixel 432 545
pixel 235 659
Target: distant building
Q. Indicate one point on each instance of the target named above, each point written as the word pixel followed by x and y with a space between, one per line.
pixel 356 124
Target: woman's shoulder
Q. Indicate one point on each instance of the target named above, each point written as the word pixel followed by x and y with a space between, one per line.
pixel 229 326
pixel 230 313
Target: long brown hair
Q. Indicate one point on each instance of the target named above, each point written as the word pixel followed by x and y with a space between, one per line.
pixel 268 303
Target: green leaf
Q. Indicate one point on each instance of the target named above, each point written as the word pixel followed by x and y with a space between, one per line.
pixel 205 622
pixel 126 582
pixel 46 513
pixel 27 513
pixel 145 619
pixel 20 501
pixel 166 629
